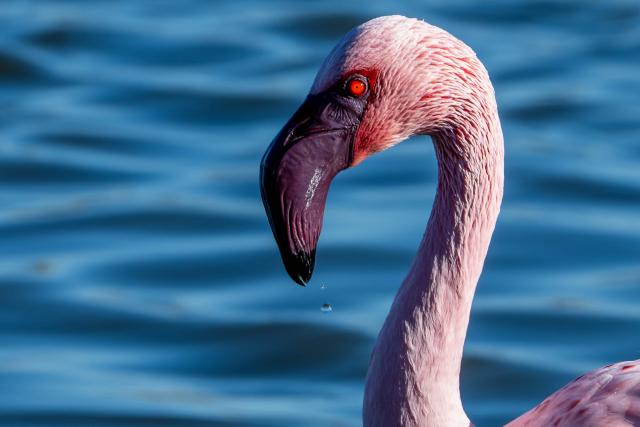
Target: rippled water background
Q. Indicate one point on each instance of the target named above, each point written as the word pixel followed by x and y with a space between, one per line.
pixel 139 283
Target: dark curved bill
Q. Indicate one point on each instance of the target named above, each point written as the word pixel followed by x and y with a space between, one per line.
pixel 296 173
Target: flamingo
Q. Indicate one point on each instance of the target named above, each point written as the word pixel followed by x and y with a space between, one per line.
pixel 386 80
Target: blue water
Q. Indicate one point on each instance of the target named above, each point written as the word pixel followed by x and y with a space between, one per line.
pixel 139 281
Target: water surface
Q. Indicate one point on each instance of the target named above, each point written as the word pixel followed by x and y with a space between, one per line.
pixel 140 284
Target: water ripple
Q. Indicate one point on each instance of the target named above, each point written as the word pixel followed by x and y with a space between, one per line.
pixel 139 278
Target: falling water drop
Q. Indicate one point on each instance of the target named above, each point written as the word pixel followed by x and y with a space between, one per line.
pixel 326 307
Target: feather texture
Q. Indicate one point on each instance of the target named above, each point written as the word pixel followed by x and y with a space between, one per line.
pixel 425 81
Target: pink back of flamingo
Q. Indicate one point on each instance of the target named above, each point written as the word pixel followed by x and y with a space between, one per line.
pixel 389 79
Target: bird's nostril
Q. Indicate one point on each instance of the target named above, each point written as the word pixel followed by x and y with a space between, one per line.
pixel 295 133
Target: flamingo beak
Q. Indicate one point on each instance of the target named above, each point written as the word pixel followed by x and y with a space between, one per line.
pixel 296 173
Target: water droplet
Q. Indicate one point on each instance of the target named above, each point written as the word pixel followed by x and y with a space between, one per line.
pixel 326 308
pixel 323 287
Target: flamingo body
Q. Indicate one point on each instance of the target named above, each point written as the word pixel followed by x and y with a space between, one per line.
pixel 609 396
pixel 414 78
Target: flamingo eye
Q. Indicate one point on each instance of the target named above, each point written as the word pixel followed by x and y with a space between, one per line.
pixel 357 86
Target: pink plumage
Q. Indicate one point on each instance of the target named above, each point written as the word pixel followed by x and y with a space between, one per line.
pixel 608 396
pixel 429 82
pixel 422 80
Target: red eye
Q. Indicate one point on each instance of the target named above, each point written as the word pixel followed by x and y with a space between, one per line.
pixel 357 87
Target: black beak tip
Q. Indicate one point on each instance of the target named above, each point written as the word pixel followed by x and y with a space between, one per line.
pixel 300 267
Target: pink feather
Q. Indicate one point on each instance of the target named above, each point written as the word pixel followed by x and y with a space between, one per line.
pixel 425 81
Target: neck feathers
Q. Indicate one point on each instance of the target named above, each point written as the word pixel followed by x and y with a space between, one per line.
pixel 413 378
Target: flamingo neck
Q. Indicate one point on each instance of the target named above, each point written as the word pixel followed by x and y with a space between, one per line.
pixel 413 377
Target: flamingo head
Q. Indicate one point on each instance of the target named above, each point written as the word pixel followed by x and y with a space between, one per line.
pixel 387 79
